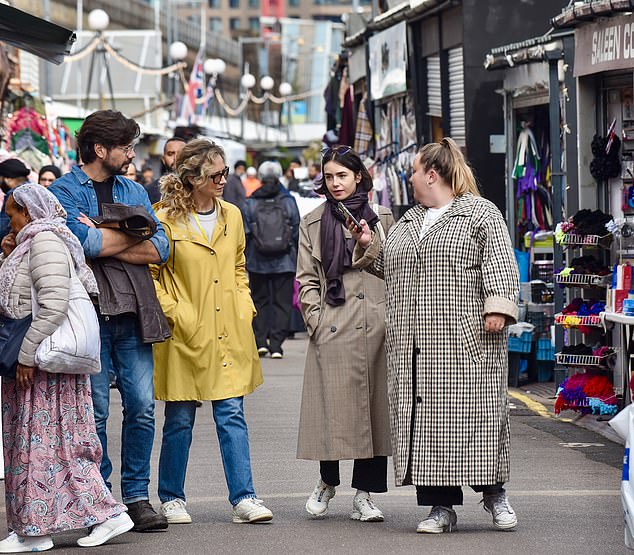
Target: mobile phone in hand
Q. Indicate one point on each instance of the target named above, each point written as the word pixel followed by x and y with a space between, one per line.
pixel 347 214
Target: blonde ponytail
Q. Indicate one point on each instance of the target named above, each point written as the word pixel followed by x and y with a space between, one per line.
pixel 447 159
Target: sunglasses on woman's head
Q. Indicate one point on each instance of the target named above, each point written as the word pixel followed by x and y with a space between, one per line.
pixel 340 150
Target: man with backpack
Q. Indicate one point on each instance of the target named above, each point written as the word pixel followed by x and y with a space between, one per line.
pixel 272 229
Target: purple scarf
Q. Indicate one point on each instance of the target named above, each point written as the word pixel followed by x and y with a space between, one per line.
pixel 336 251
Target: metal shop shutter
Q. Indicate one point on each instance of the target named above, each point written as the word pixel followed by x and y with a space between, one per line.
pixel 457 124
pixel 434 97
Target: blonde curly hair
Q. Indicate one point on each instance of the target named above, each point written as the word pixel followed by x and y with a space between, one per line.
pixel 192 168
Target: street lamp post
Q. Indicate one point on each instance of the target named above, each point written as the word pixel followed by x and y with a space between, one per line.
pixel 266 84
pixel 214 68
pixel 177 53
pixel 247 82
pixel 98 20
pixel 285 90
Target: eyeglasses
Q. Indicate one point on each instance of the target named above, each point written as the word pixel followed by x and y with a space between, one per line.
pixel 340 150
pixel 127 150
pixel 218 176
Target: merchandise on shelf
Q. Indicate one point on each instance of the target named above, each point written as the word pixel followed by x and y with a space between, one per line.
pixel 581 314
pixel 586 393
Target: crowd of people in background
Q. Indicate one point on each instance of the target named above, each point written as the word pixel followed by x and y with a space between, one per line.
pixel 194 275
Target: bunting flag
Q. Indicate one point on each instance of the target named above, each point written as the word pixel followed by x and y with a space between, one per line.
pixel 195 90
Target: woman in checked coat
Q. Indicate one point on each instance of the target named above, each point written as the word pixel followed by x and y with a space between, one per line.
pixel 344 412
pixel 451 288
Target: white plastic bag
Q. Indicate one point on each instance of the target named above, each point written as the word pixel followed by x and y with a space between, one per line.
pixel 75 346
pixel 623 425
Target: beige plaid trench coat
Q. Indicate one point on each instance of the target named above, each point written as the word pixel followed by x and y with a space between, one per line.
pixel 344 411
pixel 447 378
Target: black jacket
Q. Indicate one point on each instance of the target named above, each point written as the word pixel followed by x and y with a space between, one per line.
pixel 125 287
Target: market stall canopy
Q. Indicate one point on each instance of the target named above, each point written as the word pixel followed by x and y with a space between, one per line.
pixel 35 35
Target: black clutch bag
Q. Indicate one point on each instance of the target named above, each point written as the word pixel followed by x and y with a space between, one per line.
pixel 12 334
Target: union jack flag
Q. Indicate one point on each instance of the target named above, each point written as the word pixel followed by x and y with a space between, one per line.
pixel 191 107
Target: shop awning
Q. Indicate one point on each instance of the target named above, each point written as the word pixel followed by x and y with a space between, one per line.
pixel 35 35
pixel 525 52
pixel 581 12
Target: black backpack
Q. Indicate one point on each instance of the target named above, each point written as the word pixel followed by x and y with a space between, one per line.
pixel 272 232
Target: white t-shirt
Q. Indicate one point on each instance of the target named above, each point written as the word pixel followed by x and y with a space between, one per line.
pixel 431 216
pixel 207 222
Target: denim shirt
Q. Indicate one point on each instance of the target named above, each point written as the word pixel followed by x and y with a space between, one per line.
pixel 76 194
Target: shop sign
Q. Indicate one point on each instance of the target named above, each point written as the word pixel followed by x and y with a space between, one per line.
pixel 604 46
pixel 388 62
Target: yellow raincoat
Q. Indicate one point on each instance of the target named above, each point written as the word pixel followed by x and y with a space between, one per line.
pixel 204 292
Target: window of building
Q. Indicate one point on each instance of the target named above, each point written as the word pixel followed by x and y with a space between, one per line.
pixel 254 23
pixel 254 3
pixel 214 3
pixel 234 3
pixel 215 24
pixel 234 23
pixel 293 3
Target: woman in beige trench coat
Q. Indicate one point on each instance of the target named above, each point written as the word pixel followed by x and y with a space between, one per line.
pixel 344 412
pixel 451 288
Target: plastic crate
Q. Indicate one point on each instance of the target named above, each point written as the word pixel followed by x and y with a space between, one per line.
pixel 545 350
pixel 541 321
pixel 545 370
pixel 521 344
pixel 542 269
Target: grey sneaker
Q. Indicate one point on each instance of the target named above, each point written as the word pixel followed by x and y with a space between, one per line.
pixel 251 510
pixel 317 504
pixel 504 517
pixel 175 512
pixel 440 519
pixel 364 509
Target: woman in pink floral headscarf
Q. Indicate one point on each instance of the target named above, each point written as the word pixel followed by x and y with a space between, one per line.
pixel 51 449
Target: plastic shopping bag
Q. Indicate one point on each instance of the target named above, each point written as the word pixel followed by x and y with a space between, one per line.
pixel 623 425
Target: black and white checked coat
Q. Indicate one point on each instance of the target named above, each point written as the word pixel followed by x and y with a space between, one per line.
pixel 447 378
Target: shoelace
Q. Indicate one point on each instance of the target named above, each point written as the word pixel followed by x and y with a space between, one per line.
pixel 437 513
pixel 500 504
pixel 368 501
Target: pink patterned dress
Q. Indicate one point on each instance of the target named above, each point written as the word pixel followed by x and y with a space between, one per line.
pixel 52 456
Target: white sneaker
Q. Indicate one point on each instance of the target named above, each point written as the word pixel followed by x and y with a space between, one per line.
pixel 175 512
pixel 504 517
pixel 263 351
pixel 251 510
pixel 277 354
pixel 439 520
pixel 364 509
pixel 317 504
pixel 24 544
pixel 107 530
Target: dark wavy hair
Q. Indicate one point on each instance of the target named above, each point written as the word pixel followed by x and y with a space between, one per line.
pixel 350 160
pixel 107 128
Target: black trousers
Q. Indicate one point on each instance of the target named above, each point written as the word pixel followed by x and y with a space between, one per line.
pixel 367 474
pixel 273 298
pixel 447 496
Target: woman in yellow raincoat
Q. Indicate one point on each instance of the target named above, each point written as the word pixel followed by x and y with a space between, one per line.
pixel 204 292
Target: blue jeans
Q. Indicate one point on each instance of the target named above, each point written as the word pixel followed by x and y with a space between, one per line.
pixel 124 354
pixel 233 437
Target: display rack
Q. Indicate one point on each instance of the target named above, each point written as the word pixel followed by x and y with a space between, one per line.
pixel 583 280
pixel 574 321
pixel 589 361
pixel 578 240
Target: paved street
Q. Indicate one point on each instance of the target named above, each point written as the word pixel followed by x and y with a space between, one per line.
pixel 565 489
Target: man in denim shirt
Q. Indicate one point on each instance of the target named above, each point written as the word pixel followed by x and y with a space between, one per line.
pixel 106 146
